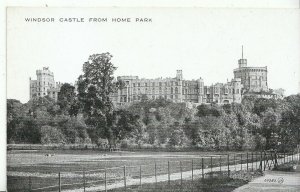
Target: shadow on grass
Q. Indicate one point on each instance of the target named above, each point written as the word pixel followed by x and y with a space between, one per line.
pixel 209 184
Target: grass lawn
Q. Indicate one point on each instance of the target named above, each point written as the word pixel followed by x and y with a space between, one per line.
pixel 214 184
pixel 34 169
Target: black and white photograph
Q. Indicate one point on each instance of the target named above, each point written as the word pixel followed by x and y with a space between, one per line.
pixel 152 99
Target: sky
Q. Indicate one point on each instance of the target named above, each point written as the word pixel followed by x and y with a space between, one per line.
pixel 202 42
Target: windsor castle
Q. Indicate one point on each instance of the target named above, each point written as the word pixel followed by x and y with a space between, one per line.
pixel 246 81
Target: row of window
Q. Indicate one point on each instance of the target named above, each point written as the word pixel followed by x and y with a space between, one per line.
pixel 186 84
pixel 184 91
pixel 254 70
pixel 40 84
pixel 138 98
pixel 154 84
pixel 172 90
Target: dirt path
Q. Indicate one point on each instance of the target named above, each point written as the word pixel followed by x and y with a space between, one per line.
pixel 276 181
pixel 273 181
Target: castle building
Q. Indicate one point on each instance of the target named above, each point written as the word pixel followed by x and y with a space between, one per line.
pixel 247 81
pixel 254 79
pixel 44 84
pixel 177 90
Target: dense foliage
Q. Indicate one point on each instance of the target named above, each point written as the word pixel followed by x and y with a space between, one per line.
pixel 88 116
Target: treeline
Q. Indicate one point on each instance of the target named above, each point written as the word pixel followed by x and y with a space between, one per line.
pixel 88 116
pixel 253 124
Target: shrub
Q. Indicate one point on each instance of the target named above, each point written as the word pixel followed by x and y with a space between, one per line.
pixel 50 135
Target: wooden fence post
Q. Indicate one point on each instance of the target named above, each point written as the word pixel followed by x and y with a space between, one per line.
pixel 105 180
pixel 155 174
pixel 202 168
pixel 141 175
pixel 180 174
pixel 29 183
pixel 252 160
pixel 83 181
pixel 234 162
pixel 220 159
pixel 241 161
pixel 192 170
pixel 59 182
pixel 261 158
pixel 125 178
pixel 264 158
pixel 247 161
pixel 256 160
pixel 168 172
pixel 211 165
pixel 228 165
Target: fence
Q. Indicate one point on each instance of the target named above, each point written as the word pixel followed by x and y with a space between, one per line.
pixel 125 176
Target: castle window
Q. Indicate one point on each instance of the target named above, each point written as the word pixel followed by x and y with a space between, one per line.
pixel 176 90
pixel 146 85
pixel 171 90
pixel 160 84
pixel 176 83
pixel 139 84
pixel 153 84
pixel 133 84
pixel 237 91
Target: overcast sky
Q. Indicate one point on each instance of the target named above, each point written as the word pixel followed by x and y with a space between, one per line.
pixel 202 42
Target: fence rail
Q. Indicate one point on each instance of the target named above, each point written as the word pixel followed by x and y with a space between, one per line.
pixel 104 179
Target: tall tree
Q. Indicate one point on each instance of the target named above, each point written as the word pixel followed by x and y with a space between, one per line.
pixel 95 86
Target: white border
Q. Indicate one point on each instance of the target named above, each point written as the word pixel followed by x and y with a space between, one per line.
pixel 286 4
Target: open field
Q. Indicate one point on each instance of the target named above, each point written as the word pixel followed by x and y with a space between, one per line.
pixel 33 169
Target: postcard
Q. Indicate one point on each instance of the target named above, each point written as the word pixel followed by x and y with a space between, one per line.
pixel 152 99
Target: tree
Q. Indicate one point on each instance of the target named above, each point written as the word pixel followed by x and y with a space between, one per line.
pixel 290 121
pixel 67 100
pixel 270 122
pixel 208 110
pixel 15 115
pixel 261 105
pixel 95 86
pixel 51 135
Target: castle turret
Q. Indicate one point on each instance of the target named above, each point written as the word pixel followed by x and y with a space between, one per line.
pixel 179 74
pixel 179 78
pixel 237 90
pixel 200 90
pixel 242 61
